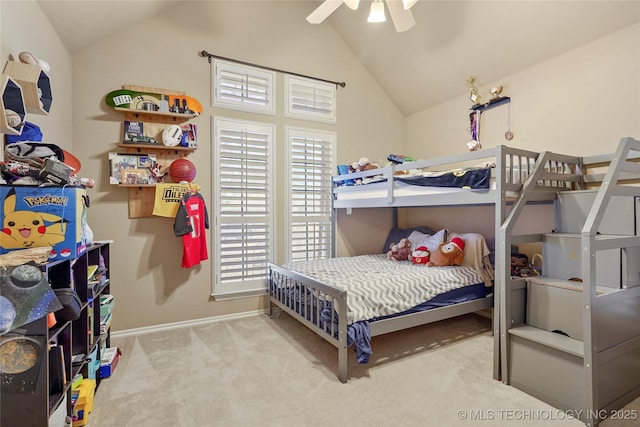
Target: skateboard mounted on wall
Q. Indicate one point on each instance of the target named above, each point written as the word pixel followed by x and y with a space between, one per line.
pixel 174 103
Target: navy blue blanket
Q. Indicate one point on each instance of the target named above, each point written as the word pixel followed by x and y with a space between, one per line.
pixel 474 178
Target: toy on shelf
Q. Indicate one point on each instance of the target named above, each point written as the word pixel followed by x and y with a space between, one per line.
pixel 154 102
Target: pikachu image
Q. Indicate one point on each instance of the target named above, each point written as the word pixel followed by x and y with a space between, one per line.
pixel 26 229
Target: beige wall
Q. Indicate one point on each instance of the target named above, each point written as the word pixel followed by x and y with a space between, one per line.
pixel 162 52
pixel 579 103
pixel 42 41
pixel 559 105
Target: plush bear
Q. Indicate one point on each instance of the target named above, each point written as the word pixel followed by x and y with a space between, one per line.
pixel 448 253
pixel 420 255
pixel 399 251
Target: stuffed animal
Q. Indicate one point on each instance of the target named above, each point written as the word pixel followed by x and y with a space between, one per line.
pixel 448 253
pixel 362 165
pixel 420 255
pixel 399 251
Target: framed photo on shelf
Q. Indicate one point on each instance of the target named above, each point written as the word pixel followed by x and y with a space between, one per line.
pixel 131 169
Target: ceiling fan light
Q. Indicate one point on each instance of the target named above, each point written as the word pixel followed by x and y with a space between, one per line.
pixel 352 4
pixel 377 12
pixel 408 3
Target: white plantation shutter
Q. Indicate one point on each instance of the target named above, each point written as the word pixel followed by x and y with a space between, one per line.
pixel 243 164
pixel 240 87
pixel 309 99
pixel 311 157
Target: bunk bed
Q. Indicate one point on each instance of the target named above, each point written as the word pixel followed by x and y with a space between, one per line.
pixel 325 308
pixel 571 336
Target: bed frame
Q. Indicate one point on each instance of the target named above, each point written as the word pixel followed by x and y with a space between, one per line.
pixel 559 177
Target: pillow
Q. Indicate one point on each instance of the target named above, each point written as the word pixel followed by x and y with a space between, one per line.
pixel 431 241
pixel 397 234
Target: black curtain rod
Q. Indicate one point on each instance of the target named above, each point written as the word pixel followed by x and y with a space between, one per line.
pixel 208 55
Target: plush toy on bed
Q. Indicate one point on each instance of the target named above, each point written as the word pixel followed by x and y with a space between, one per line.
pixel 399 251
pixel 448 253
pixel 420 255
pixel 362 165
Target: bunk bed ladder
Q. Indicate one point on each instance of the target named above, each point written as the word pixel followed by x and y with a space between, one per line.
pixel 503 257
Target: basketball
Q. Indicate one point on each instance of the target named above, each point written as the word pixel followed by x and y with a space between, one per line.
pixel 182 170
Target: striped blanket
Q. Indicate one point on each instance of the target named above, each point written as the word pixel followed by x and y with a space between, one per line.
pixel 379 287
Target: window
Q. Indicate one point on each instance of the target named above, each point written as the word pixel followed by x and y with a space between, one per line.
pixel 248 230
pixel 243 193
pixel 311 165
pixel 244 88
pixel 310 100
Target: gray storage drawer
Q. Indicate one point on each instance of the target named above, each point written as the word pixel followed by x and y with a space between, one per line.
pixel 552 307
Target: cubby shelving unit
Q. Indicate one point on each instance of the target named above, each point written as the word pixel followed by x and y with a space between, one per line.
pixel 63 343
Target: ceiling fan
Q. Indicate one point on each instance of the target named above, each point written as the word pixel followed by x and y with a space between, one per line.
pixel 398 9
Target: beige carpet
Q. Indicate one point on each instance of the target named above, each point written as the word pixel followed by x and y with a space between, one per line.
pixel 257 371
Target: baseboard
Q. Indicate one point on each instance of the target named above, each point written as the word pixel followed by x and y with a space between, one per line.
pixel 185 323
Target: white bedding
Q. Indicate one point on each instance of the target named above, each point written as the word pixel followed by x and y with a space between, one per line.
pixel 379 287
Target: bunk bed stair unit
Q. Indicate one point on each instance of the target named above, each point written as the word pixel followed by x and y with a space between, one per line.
pixel 305 297
pixel 571 336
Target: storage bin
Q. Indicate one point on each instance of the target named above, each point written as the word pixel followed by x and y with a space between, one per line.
pixel 109 362
pixel 84 402
pixel 60 212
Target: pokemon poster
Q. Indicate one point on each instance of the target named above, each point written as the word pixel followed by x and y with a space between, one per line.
pixel 43 216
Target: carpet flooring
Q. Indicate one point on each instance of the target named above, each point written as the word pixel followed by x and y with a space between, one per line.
pixel 261 371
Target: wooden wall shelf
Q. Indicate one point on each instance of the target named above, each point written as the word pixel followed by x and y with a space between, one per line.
pixel 142 196
pixel 36 86
pixel 145 147
pixel 11 98
pixel 176 116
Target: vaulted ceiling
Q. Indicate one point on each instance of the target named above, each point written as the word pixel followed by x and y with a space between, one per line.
pixel 451 41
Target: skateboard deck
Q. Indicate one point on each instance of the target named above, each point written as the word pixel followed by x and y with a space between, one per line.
pixel 146 101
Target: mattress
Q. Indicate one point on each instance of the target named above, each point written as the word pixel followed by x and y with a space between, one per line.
pixel 378 287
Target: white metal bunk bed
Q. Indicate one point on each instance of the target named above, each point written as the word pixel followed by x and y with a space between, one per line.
pixel 289 290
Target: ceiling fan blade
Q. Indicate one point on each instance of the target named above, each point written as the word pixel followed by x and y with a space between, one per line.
pixel 402 19
pixel 323 11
